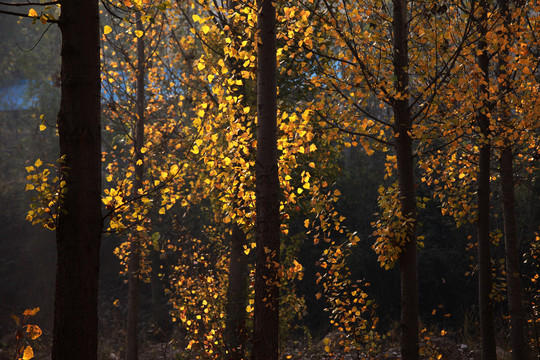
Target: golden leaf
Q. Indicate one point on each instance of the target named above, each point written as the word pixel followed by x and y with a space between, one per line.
pixel 107 29
pixel 32 13
pixel 34 311
pixel 28 353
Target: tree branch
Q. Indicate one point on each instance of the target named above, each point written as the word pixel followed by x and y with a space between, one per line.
pixel 30 3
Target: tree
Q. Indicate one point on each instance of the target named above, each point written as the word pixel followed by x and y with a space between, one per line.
pixel 512 63
pixel 78 232
pixel 266 315
pixel 366 67
pixel 134 266
pixel 79 220
pixel 487 330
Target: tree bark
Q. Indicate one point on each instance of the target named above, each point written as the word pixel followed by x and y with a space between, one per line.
pixel 160 309
pixel 487 332
pixel 78 233
pixel 513 275
pixel 237 296
pixel 134 265
pixel 266 313
pixel 408 262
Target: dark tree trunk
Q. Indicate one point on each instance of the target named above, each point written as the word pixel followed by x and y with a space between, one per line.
pixel 408 262
pixel 515 304
pixel 134 265
pixel 513 275
pixel 266 313
pixel 487 331
pixel 133 301
pixel 78 233
pixel 160 309
pixel 237 296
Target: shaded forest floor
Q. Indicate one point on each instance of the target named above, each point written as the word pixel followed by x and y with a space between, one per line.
pixel 443 347
pixel 434 348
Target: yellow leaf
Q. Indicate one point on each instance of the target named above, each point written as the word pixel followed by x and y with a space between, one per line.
pixel 42 127
pixel 196 17
pixel 107 29
pixel 28 353
pixel 138 33
pixel 32 13
pixel 200 65
pixel 38 163
pixel 162 211
pixel 205 29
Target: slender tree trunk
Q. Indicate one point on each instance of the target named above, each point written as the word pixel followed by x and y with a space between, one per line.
pixel 134 265
pixel 78 233
pixel 487 331
pixel 237 296
pixel 266 313
pixel 515 304
pixel 160 309
pixel 408 262
pixel 513 275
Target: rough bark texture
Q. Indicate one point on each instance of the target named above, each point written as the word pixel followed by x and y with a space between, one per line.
pixel 487 332
pixel 134 265
pixel 408 262
pixel 237 296
pixel 79 225
pixel 266 312
pixel 513 275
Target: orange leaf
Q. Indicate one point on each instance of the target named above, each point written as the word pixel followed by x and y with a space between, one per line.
pixel 28 353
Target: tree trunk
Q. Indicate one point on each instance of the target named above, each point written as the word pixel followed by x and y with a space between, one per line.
pixel 408 262
pixel 266 313
pixel 134 265
pixel 513 275
pixel 515 304
pixel 487 331
pixel 237 296
pixel 78 233
pixel 160 309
